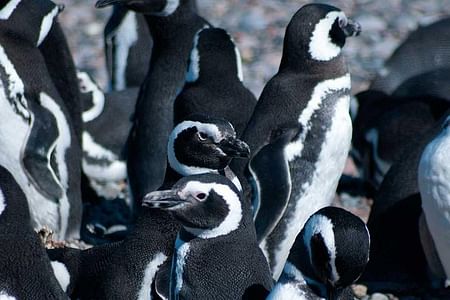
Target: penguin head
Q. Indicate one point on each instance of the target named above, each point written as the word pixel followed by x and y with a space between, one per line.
pixel 210 46
pixel 149 7
pixel 207 205
pixel 202 144
pixel 29 21
pixel 317 32
pixel 337 244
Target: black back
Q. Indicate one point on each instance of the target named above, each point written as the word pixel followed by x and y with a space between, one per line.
pixel 218 91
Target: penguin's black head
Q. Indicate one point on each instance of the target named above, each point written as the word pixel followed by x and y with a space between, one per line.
pixel 149 7
pixel 207 205
pixel 28 21
pixel 338 244
pixel 203 145
pixel 318 32
pixel 214 45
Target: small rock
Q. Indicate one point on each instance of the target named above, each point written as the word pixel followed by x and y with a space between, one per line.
pixel 359 290
pixel 378 296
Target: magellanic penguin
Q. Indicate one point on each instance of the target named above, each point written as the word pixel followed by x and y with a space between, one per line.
pixel 173 25
pixel 216 253
pixel 400 257
pixel 26 270
pixel 385 125
pixel 215 89
pixel 434 184
pixel 195 147
pixel 39 145
pixel 300 131
pixel 425 49
pixel 103 150
pixel 329 254
pixel 128 48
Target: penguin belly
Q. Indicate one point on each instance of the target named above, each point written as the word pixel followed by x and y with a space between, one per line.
pixel 434 184
pixel 13 136
pixel 309 196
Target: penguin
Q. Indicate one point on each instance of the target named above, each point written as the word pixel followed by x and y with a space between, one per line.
pixel 209 261
pixel 133 262
pixel 304 109
pixel 215 89
pixel 128 48
pixel 433 185
pixel 425 49
pixel 395 227
pixel 103 151
pixel 329 254
pixel 26 269
pixel 173 25
pixel 61 67
pixel 385 125
pixel 39 145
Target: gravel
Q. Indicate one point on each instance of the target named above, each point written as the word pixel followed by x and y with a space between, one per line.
pixel 258 28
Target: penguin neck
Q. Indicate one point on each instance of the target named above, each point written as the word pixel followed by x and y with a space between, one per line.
pixel 164 27
pixel 154 224
pixel 304 64
pixel 12 212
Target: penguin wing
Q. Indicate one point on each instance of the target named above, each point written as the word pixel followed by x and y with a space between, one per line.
pixel 271 182
pixel 37 155
pixel 162 280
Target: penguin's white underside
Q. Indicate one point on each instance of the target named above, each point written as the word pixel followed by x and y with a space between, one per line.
pixel 43 212
pixel 61 274
pixel 2 202
pixel 434 186
pixel 318 192
pixel 149 275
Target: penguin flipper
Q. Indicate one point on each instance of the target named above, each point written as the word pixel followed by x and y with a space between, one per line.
pixel 162 280
pixel 37 154
pixel 271 175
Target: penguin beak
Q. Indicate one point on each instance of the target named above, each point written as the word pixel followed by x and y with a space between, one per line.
pixel 105 3
pixel 61 7
pixel 235 148
pixel 162 199
pixel 352 28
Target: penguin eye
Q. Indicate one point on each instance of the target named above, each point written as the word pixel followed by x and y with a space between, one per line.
pixel 342 22
pixel 202 136
pixel 200 196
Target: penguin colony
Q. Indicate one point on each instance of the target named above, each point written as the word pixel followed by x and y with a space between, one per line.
pixel 229 197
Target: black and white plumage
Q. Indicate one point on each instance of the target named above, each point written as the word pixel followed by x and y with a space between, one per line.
pixel 26 270
pixel 305 109
pixel 103 150
pixel 426 49
pixel 434 191
pixel 385 125
pixel 173 25
pixel 216 253
pixel 128 48
pixel 197 145
pixel 39 144
pixel 215 89
pixel 394 225
pixel 329 254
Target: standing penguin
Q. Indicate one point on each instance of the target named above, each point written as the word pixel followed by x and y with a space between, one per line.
pixel 215 89
pixel 26 270
pixel 39 145
pixel 301 119
pixel 128 48
pixel 173 25
pixel 329 254
pixel 217 255
pixel 195 147
pixel 434 184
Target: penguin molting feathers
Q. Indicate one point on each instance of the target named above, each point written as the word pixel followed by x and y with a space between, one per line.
pixel 329 254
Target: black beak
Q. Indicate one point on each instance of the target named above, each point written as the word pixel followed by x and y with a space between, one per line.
pixel 60 7
pixel 235 148
pixel 105 3
pixel 352 28
pixel 162 199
